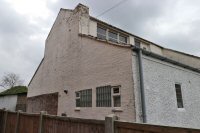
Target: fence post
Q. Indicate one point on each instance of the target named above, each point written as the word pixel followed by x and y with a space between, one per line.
pixel 5 121
pixel 42 113
pixel 109 123
pixel 17 123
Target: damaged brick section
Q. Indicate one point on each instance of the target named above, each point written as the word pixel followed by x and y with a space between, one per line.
pixel 45 102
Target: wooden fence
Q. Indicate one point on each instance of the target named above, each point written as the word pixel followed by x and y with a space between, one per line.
pixel 18 122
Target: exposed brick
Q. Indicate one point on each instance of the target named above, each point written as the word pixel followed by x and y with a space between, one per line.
pixel 46 102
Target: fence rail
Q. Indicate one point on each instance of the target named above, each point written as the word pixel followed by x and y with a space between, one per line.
pixel 19 122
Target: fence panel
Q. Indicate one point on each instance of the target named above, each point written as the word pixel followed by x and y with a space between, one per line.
pixel 54 124
pixel 2 116
pixel 125 127
pixel 28 123
pixel 11 122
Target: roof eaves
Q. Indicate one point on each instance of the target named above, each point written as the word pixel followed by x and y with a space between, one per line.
pixel 165 59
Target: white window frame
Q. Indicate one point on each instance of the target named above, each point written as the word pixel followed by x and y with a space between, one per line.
pixel 116 94
pixel 115 32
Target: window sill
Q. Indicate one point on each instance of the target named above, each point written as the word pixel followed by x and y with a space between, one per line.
pixel 117 110
pixel 181 109
pixel 77 109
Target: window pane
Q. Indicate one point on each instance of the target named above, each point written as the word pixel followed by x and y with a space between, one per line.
pixel 122 39
pixel 179 96
pixel 77 94
pixel 77 102
pixel 101 33
pixel 137 43
pixel 115 90
pixel 85 99
pixel 103 96
pixel 117 101
pixel 112 36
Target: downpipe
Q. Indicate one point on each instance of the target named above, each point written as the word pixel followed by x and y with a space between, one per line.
pixel 142 91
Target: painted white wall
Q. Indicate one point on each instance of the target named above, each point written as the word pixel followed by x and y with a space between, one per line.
pixel 161 104
pixel 93 28
pixel 155 49
pixel 8 102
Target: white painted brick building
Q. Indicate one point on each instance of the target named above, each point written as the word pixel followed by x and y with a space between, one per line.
pixel 91 69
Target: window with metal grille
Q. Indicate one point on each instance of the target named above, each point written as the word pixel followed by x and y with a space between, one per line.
pixel 103 96
pixel 101 33
pixel 179 96
pixel 84 98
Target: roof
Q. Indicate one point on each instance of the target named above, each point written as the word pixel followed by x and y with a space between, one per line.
pixel 14 91
pixel 140 38
pixel 165 59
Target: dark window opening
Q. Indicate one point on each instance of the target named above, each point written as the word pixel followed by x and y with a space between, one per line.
pixel 122 39
pixel 137 43
pixel 112 36
pixel 179 96
pixel 101 33
pixel 116 90
pixel 117 101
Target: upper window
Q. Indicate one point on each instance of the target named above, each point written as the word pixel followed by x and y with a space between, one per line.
pixel 112 36
pixel 137 43
pixel 101 33
pixel 179 96
pixel 122 39
pixel 108 34
pixel 84 98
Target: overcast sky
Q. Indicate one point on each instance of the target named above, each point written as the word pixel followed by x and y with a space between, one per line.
pixel 25 24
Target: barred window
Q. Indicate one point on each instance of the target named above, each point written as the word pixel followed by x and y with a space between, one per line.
pixel 103 96
pixel 179 96
pixel 84 98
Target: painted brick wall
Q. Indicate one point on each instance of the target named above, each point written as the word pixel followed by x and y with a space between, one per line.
pixel 73 63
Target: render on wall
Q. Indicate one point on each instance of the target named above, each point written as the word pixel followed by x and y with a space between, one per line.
pixel 161 103
pixel 9 102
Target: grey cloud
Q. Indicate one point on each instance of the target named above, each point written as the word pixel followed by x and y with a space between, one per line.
pixel 18 53
pixel 21 54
